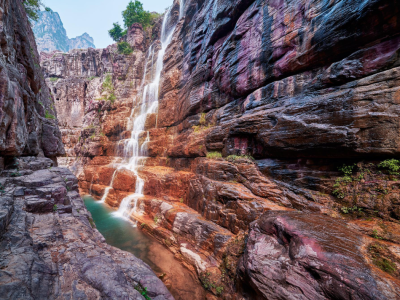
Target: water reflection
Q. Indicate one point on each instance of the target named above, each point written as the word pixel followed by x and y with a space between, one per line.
pixel 123 235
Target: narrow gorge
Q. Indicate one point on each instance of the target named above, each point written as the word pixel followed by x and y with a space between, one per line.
pixel 244 149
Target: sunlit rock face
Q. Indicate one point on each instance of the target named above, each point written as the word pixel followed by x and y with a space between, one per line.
pixel 51 35
pixel 302 87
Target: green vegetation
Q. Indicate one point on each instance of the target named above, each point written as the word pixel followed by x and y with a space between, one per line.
pixel 233 158
pixel 210 284
pixel 53 79
pixel 116 32
pixel 202 124
pixel 91 222
pixel 347 210
pixel 143 291
pixel 392 165
pixel 15 174
pixel 363 181
pixel 2 189
pixel 201 128
pixel 55 207
pixel 91 78
pixel 385 265
pixel 214 155
pixel 156 219
pixel 219 290
pixel 108 87
pixel 124 48
pixel 203 120
pixel 49 116
pixel 16 166
pixel 375 235
pixel 134 13
pixel 32 7
pixel 382 258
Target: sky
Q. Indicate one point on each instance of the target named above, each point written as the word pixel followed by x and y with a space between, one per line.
pixel 97 16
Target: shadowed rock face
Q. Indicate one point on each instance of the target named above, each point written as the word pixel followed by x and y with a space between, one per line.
pixel 292 255
pixel 301 86
pixel 27 114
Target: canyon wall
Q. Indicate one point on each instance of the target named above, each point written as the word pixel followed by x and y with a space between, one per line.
pixel 49 246
pixel 264 106
pixel 28 117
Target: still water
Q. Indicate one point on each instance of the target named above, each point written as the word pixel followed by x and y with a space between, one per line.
pixel 120 233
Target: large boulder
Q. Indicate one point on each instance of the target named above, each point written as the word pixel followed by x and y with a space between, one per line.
pixel 293 255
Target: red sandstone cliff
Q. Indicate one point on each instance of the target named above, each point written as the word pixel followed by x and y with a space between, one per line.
pixel 49 246
pixel 303 87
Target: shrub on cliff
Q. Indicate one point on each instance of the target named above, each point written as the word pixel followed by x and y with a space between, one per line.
pixel 116 32
pixel 108 89
pixel 124 48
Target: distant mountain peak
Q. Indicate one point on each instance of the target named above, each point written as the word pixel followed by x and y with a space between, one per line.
pixel 51 35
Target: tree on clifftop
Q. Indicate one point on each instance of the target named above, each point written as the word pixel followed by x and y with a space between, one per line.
pixel 116 32
pixel 135 13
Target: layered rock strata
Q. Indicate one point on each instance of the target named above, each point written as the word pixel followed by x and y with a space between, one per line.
pixel 303 88
pixel 49 246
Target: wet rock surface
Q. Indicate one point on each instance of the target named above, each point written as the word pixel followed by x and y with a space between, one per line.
pixel 50 247
pixel 260 103
pixel 293 255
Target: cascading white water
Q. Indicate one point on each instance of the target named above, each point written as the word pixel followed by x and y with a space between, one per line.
pixel 132 150
pixel 181 8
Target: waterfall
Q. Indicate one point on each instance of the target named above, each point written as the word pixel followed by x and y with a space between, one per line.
pixel 134 153
pixel 181 8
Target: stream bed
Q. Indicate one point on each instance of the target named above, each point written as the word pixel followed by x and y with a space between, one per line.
pixel 122 234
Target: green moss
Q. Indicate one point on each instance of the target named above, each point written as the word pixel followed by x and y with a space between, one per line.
pixel 202 120
pixel 49 116
pixel 214 155
pixel 53 79
pixel 381 257
pixel 233 158
pixel 55 207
